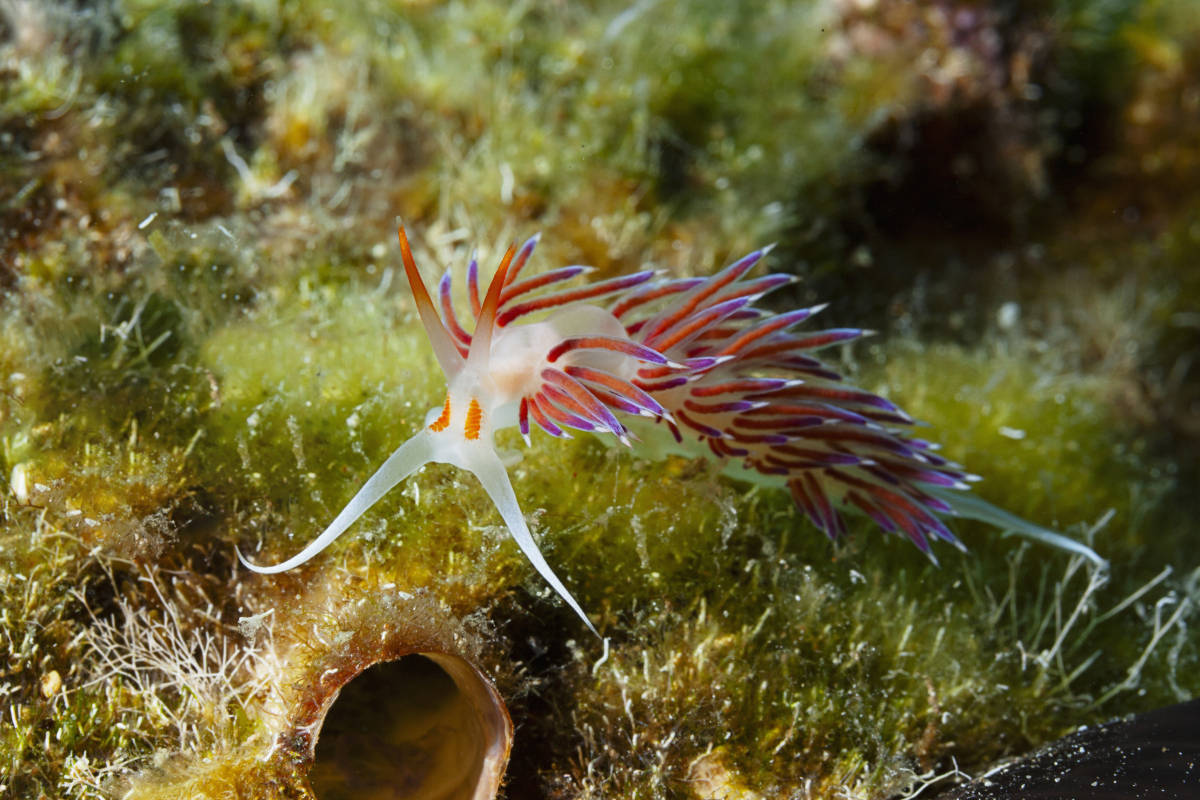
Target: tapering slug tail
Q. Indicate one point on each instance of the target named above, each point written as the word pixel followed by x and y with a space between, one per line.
pixel 444 348
pixel 972 506
pixel 407 459
pixel 491 473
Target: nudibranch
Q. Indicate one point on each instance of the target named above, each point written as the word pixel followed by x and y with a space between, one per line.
pixel 686 366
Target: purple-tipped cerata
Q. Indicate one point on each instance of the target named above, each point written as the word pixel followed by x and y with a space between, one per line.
pixel 688 366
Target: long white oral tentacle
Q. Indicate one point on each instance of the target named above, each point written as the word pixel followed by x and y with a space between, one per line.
pixel 407 459
pixel 491 473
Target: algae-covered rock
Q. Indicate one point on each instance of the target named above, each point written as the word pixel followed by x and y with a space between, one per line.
pixel 207 345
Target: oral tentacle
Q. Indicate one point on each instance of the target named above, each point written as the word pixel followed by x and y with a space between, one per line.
pixel 486 466
pixel 404 461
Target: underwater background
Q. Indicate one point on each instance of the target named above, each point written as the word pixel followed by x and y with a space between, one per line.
pixel 206 342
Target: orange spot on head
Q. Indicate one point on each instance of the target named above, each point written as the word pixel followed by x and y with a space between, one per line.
pixel 441 422
pixel 474 417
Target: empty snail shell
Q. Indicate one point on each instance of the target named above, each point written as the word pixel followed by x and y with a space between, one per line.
pixel 427 727
pixel 397 708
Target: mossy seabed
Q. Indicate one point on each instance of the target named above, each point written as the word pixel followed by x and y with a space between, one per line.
pixel 205 342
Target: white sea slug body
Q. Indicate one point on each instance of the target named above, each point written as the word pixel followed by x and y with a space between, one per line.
pixel 689 363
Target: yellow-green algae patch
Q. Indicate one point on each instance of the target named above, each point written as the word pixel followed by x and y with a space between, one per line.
pixel 1002 413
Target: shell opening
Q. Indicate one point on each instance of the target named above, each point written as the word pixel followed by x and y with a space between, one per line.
pixel 423 727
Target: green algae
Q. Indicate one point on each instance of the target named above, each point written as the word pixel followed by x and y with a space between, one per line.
pixel 196 356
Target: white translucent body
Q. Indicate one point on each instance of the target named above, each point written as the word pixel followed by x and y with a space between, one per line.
pixel 497 379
